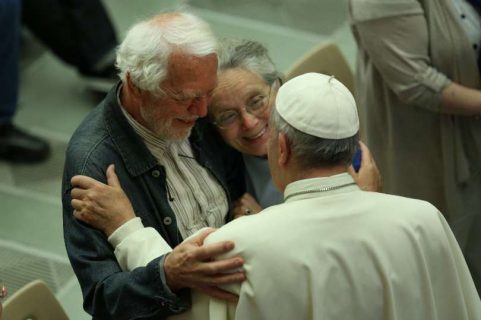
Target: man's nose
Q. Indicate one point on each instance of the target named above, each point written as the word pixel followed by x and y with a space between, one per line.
pixel 199 106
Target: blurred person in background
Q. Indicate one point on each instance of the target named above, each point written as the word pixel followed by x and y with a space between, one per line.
pixel 418 90
pixel 79 32
pixel 15 144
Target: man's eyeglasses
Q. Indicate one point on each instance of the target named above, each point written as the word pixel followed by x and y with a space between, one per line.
pixel 186 99
pixel 255 106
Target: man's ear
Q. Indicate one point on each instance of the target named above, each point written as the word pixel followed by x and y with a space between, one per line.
pixel 284 149
pixel 132 87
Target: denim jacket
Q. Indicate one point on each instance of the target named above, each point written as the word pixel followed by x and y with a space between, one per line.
pixel 105 138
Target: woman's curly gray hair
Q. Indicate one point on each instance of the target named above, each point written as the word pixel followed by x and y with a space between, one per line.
pixel 249 55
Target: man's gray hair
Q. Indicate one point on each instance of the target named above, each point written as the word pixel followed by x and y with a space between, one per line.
pixel 249 55
pixel 314 152
pixel 144 54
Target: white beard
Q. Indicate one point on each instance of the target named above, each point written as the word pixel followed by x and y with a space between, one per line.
pixel 163 129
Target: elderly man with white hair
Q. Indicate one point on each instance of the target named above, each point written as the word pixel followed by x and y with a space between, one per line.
pixel 331 250
pixel 179 180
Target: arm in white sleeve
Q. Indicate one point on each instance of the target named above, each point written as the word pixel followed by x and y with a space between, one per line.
pixel 136 246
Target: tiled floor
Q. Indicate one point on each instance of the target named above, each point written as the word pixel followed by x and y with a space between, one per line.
pixel 53 102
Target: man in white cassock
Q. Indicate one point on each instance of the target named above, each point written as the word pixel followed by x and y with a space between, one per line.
pixel 330 251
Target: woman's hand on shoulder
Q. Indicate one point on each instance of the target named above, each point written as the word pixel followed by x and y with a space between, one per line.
pixel 368 178
pixel 245 205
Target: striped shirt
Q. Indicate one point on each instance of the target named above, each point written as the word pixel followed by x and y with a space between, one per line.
pixel 194 195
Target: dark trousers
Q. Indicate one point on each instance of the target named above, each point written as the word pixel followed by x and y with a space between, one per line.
pixel 79 32
pixel 9 41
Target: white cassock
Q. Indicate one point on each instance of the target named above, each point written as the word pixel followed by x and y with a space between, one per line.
pixel 337 254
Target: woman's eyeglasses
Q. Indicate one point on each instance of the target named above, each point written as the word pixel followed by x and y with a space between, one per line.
pixel 255 106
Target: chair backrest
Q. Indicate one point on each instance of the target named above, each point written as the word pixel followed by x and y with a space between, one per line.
pixel 325 58
pixel 33 301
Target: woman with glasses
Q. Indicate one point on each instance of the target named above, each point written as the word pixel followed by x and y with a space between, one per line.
pixel 240 107
pixel 247 86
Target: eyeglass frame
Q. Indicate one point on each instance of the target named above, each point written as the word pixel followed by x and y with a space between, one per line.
pixel 257 112
pixel 183 99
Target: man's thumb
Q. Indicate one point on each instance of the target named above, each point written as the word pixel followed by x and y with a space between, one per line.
pixel 112 178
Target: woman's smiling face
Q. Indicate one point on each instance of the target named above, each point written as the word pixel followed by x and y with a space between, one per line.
pixel 240 107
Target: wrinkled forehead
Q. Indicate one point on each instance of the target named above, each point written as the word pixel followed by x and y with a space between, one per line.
pixel 191 73
pixel 186 68
pixel 235 87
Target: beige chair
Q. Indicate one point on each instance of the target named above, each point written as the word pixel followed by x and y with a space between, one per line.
pixel 33 301
pixel 325 58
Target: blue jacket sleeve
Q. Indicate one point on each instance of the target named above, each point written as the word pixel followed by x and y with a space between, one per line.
pixel 110 293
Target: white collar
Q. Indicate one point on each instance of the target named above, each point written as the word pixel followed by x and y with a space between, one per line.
pixel 315 187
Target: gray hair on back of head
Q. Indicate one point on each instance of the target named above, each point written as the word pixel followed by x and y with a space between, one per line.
pixel 249 55
pixel 314 152
pixel 144 53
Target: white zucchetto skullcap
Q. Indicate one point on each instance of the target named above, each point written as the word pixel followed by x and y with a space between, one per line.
pixel 319 105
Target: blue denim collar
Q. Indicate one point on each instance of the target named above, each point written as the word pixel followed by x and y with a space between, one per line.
pixel 137 158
